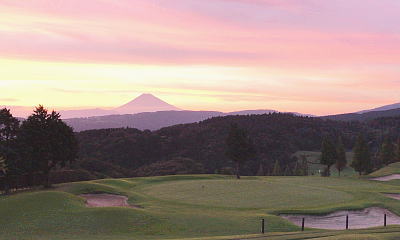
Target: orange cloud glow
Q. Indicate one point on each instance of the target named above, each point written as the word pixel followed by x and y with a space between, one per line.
pixel 310 56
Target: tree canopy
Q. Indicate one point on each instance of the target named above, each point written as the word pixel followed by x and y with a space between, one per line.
pixel 239 147
pixel 362 158
pixel 46 142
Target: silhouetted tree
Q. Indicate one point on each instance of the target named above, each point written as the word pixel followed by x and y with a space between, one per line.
pixel 398 150
pixel 304 166
pixel 3 166
pixel 277 169
pixel 387 154
pixel 341 160
pixel 46 143
pixel 9 126
pixel 287 171
pixel 362 159
pixel 261 171
pixel 328 155
pixel 239 147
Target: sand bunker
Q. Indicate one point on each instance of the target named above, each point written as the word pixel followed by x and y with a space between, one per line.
pixel 387 178
pixel 106 200
pixel 369 217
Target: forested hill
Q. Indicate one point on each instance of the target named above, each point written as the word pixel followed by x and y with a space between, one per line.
pixel 365 116
pixel 125 151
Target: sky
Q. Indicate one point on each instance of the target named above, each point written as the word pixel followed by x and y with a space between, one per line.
pixel 309 56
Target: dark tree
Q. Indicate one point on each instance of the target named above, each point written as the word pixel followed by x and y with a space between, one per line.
pixel 3 166
pixel 304 166
pixel 341 160
pixel 277 169
pixel 46 143
pixel 362 158
pixel 8 132
pixel 398 150
pixel 387 153
pixel 328 154
pixel 239 147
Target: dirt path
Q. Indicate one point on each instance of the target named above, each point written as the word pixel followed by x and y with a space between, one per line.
pixel 106 200
pixel 387 178
pixel 369 217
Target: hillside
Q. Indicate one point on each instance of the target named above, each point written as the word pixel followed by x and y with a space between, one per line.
pixel 366 116
pixel 277 137
pixel 383 108
pixel 154 120
pixel 142 121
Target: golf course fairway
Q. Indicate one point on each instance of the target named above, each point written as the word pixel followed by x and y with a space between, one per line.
pixel 195 206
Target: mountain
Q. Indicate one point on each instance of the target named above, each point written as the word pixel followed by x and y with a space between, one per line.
pixel 383 108
pixel 142 121
pixel 145 103
pixel 366 116
pixel 153 120
pixel 86 113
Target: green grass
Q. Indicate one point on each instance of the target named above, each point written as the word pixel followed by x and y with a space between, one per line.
pixel 393 168
pixel 202 206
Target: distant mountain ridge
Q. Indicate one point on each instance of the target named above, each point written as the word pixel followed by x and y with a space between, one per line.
pixel 365 116
pixel 143 103
pixel 383 108
pixel 153 120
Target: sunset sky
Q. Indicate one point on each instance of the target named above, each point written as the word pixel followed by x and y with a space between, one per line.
pixel 309 56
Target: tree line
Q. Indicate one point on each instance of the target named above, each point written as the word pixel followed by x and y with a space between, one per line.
pixel 129 152
pixel 365 158
pixel 30 150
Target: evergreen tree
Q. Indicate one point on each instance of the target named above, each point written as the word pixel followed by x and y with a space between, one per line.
pixel 9 126
pixel 277 169
pixel 398 150
pixel 46 143
pixel 304 166
pixel 341 160
pixel 261 171
pixel 296 169
pixel 362 159
pixel 239 147
pixel 3 166
pixel 328 155
pixel 287 171
pixel 387 152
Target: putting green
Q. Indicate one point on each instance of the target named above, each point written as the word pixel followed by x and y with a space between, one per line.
pixel 248 193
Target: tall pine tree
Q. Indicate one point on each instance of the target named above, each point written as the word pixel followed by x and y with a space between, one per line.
pixel 239 147
pixel 328 154
pixel 277 169
pixel 341 160
pixel 362 158
pixel 387 154
pixel 398 150
pixel 46 143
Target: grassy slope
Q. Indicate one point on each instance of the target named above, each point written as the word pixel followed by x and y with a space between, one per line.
pixel 393 168
pixel 187 206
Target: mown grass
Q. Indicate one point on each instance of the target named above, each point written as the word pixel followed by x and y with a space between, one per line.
pixel 205 206
pixel 393 168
